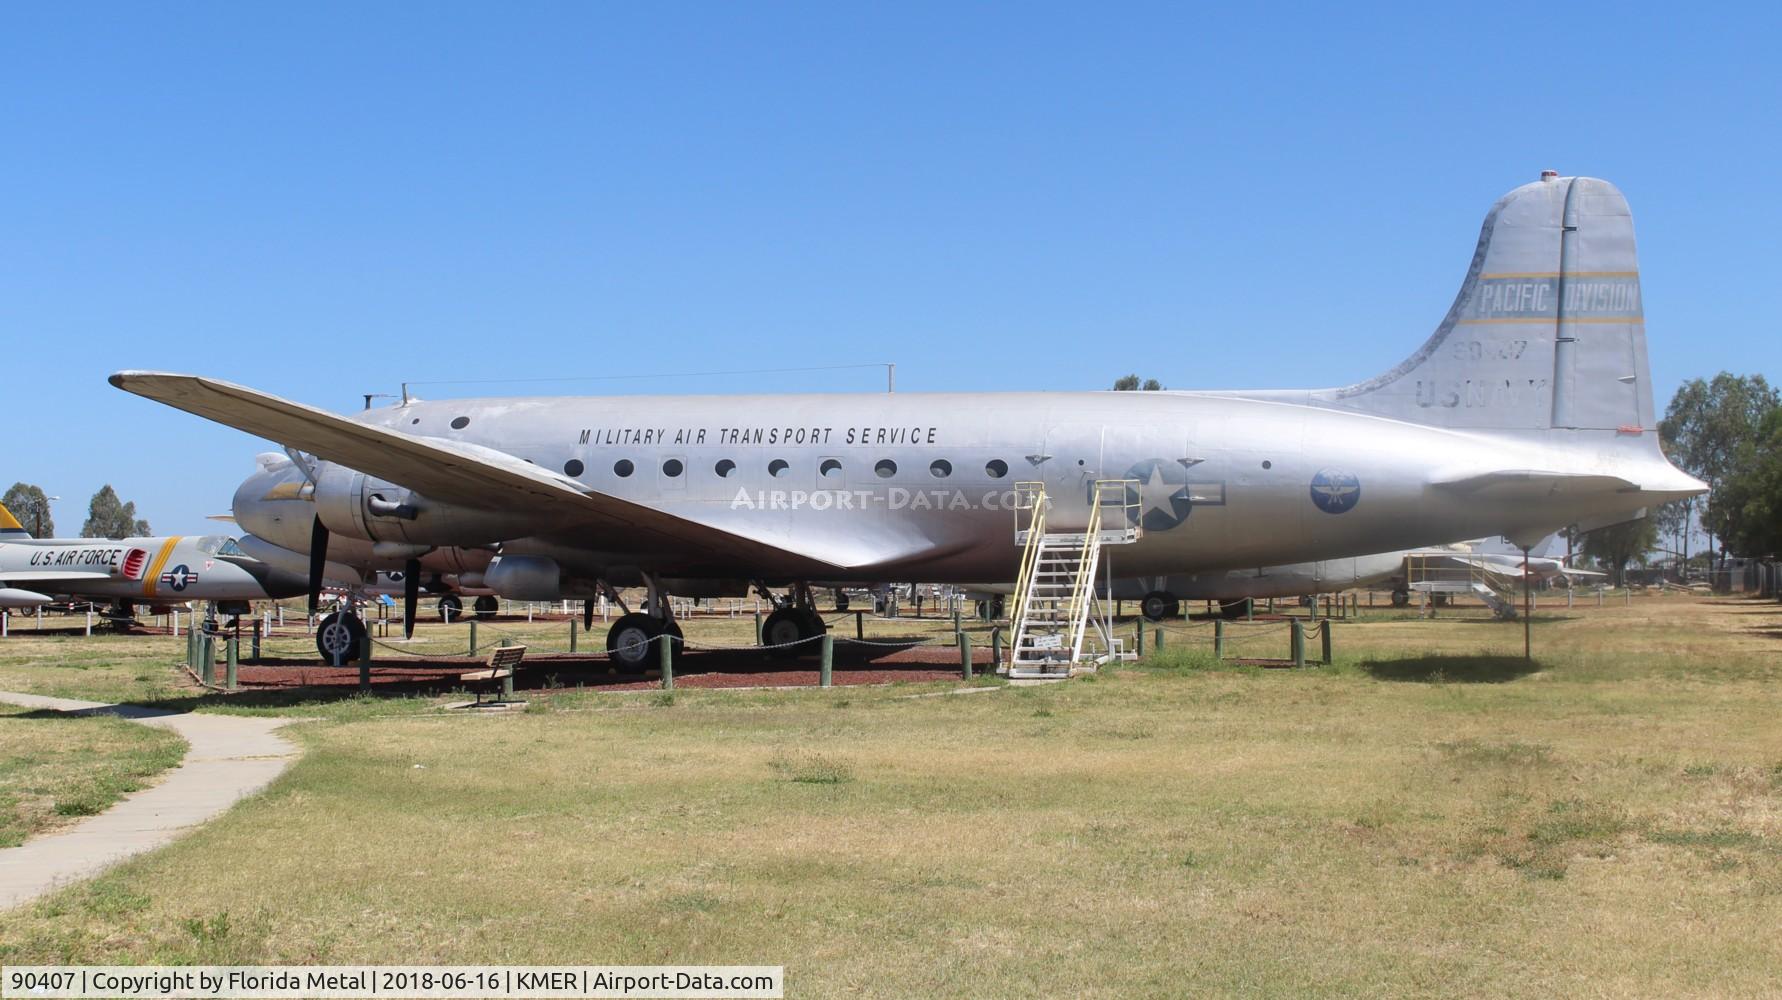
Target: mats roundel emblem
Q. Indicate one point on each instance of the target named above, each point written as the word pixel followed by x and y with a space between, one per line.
pixel 1335 492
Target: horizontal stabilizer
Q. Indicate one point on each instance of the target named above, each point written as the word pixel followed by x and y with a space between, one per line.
pixel 1532 484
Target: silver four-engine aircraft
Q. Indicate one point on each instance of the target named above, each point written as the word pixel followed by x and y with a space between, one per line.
pixel 1530 408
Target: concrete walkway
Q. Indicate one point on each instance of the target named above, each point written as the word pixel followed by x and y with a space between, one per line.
pixel 228 757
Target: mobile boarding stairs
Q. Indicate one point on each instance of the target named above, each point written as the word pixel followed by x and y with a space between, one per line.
pixel 1061 626
pixel 1435 573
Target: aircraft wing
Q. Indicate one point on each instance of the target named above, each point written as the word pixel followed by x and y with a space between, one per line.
pixel 52 576
pixel 459 473
pixel 1534 484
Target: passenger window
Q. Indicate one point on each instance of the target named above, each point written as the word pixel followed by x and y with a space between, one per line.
pixel 830 468
pixel 623 468
pixel 778 467
pixel 673 468
pixel 940 468
pixel 996 468
pixel 724 468
pixel 886 468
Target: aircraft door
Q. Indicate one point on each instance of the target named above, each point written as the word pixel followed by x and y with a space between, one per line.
pixel 1069 463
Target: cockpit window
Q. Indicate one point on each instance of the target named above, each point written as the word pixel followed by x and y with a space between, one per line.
pixel 218 545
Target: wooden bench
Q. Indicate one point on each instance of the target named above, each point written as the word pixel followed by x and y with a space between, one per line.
pixel 503 661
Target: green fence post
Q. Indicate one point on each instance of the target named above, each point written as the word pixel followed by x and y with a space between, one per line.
pixel 1140 643
pixel 1218 638
pixel 472 651
pixel 256 643
pixel 826 672
pixel 207 657
pixel 996 646
pixel 1299 643
pixel 1324 637
pixel 1159 643
pixel 233 648
pixel 758 641
pixel 665 657
pixel 1250 609
pixel 365 647
pixel 572 635
pixel 964 655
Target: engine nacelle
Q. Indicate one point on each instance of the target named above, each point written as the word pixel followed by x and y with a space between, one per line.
pixel 525 578
pixel 356 505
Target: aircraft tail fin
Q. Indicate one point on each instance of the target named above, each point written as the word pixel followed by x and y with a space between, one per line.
pixel 10 528
pixel 1547 331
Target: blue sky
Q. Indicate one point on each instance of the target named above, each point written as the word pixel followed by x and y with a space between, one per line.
pixel 324 200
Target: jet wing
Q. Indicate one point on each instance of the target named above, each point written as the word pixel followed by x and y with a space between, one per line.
pixel 454 472
pixel 1533 484
pixel 52 576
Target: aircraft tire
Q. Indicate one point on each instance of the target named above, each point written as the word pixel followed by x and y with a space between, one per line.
pixel 451 608
pixel 1401 597
pixel 341 631
pixel 487 607
pixel 790 625
pixel 629 642
pixel 1234 609
pixel 1158 605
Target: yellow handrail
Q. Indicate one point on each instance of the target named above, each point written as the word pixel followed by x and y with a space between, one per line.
pixel 1029 496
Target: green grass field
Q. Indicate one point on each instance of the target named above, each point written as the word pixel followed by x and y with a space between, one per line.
pixel 55 769
pixel 1430 816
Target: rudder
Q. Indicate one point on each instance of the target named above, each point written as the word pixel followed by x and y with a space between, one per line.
pixel 1547 331
pixel 10 528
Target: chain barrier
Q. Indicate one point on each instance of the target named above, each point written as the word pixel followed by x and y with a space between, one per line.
pixel 744 649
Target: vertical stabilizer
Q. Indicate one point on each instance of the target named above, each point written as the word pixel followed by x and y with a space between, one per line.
pixel 10 529
pixel 1547 331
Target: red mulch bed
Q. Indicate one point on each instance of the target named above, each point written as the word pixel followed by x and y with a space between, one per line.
pixel 697 669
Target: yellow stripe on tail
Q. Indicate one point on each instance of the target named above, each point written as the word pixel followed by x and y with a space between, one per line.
pixel 10 525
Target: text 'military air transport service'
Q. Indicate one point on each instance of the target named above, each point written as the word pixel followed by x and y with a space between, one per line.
pixel 1529 409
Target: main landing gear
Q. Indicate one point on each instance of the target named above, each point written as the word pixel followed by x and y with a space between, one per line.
pixel 788 628
pixel 1158 606
pixel 631 642
pixel 339 637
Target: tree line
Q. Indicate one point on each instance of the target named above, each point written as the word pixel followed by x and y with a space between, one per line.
pixel 108 516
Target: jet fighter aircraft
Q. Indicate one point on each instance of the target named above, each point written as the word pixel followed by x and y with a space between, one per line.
pixel 1529 408
pixel 131 571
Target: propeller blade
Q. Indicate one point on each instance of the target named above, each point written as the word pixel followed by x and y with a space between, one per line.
pixel 318 561
pixel 411 596
pixel 588 615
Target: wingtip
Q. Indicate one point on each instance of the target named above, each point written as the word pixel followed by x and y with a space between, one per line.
pixel 123 379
